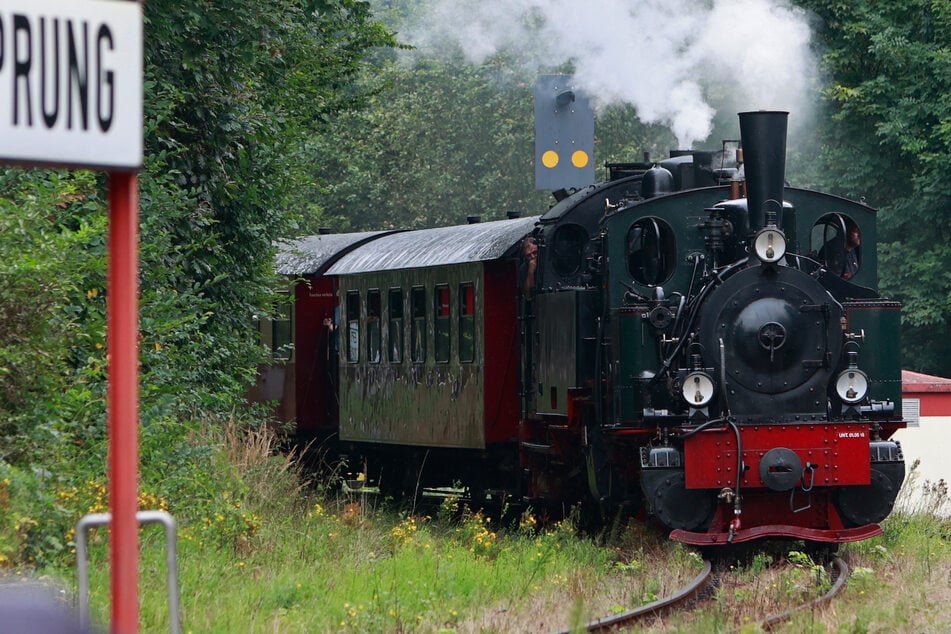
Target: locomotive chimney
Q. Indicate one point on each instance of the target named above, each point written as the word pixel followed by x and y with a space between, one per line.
pixel 764 159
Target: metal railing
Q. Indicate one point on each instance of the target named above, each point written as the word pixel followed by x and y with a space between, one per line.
pixel 171 558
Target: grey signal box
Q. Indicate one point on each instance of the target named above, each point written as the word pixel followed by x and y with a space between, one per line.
pixel 564 134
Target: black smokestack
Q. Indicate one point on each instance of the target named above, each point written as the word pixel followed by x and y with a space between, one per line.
pixel 764 160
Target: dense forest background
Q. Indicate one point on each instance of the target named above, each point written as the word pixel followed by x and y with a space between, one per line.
pixel 269 119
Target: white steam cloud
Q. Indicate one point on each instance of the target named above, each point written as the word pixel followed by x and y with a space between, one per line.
pixel 667 58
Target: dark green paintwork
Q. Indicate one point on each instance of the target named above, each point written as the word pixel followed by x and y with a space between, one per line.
pixel 635 348
pixel 429 404
pixel 880 357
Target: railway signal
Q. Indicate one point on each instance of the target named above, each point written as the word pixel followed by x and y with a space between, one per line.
pixel 564 134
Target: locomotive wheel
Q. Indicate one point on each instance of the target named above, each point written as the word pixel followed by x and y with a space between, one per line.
pixel 871 503
pixel 673 503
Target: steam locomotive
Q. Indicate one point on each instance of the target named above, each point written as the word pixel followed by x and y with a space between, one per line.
pixel 696 342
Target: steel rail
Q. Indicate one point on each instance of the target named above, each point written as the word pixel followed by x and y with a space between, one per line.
pixel 842 570
pixel 683 595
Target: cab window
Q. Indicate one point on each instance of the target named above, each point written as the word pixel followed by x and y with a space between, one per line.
pixel 651 251
pixel 568 249
pixel 836 243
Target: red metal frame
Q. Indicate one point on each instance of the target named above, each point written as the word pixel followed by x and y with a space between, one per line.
pixel 840 453
pixel 836 536
pixel 316 402
pixel 501 349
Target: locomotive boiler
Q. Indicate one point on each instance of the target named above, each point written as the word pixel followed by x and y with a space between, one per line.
pixel 699 344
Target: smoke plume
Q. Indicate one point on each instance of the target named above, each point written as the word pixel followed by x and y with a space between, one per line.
pixel 667 58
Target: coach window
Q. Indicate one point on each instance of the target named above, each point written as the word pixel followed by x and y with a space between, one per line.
pixel 353 326
pixel 443 323
pixel 651 251
pixel 374 344
pixel 282 328
pixel 466 322
pixel 417 301
pixel 396 325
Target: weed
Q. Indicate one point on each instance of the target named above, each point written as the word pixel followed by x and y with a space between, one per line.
pixel 819 573
pixel 761 561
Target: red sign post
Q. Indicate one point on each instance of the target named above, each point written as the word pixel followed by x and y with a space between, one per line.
pixel 72 97
pixel 123 396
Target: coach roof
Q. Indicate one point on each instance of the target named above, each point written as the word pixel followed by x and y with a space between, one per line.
pixel 435 247
pixel 311 255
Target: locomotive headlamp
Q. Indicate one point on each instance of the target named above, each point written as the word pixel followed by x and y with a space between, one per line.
pixel 698 389
pixel 852 385
pixel 770 244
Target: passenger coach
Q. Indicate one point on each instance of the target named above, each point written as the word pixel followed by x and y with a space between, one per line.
pixel 422 331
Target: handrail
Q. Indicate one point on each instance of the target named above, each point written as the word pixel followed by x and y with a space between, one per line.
pixel 171 558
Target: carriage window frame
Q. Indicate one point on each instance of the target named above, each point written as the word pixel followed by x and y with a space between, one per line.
pixel 282 328
pixel 353 326
pixel 466 322
pixel 374 326
pixel 395 303
pixel 442 323
pixel 417 301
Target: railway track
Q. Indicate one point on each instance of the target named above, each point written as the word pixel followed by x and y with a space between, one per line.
pixel 691 595
pixel 839 574
pixel 680 598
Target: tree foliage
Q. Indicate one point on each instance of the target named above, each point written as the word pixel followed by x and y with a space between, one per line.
pixel 232 92
pixel 236 89
pixel 51 318
pixel 442 140
pixel 889 141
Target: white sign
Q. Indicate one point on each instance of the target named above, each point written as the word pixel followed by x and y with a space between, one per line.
pixel 71 83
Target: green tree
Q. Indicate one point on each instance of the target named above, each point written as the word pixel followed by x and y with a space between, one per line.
pixel 51 318
pixel 443 140
pixel 889 141
pixel 235 89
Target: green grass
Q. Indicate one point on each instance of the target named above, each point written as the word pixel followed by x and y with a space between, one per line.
pixel 260 552
pixel 351 567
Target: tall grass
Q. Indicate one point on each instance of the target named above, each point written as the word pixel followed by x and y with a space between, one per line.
pixel 262 550
pixel 296 558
